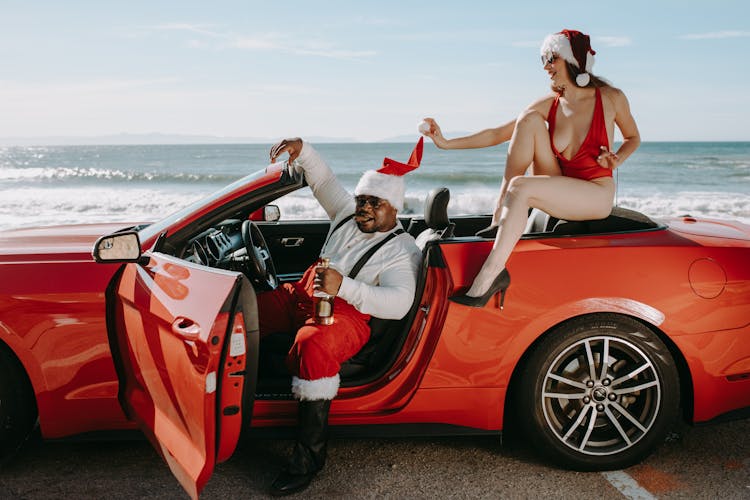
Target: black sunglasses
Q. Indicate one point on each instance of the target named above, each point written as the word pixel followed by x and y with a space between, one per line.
pixel 373 201
pixel 549 58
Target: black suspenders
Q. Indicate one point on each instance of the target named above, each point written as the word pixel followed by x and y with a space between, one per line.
pixel 341 223
pixel 363 260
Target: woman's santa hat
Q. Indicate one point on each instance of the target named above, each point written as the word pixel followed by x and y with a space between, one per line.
pixel 574 47
pixel 388 182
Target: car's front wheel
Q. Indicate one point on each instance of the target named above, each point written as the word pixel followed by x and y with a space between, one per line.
pixel 599 392
pixel 17 406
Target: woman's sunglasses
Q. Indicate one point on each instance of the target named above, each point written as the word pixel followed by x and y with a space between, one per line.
pixel 549 58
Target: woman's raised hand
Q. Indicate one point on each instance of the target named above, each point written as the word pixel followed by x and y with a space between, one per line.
pixel 431 129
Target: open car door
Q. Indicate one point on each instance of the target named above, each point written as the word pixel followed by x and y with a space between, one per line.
pixel 185 342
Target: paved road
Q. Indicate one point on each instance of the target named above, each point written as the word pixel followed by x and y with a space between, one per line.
pixel 704 462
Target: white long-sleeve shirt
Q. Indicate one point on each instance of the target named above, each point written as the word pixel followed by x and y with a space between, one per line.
pixel 386 284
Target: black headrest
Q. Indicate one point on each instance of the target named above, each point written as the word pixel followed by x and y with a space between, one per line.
pixel 436 208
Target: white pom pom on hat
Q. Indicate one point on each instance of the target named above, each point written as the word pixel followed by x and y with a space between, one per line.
pixel 575 48
pixel 388 182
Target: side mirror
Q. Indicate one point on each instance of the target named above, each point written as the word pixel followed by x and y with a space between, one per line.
pixel 271 213
pixel 267 213
pixel 118 247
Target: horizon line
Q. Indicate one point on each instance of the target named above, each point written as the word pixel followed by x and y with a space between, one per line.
pixel 152 139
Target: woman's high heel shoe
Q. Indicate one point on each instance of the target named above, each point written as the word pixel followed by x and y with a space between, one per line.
pixel 501 284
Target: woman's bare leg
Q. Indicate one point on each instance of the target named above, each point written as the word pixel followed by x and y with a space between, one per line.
pixel 562 197
pixel 529 146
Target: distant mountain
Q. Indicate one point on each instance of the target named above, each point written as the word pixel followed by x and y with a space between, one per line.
pixel 125 139
pixel 320 139
pixel 159 138
pixel 149 139
pixel 415 136
pixel 401 138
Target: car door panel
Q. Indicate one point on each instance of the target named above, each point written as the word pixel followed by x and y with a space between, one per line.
pixel 294 245
pixel 183 334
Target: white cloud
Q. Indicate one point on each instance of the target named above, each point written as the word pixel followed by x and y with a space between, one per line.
pixel 716 35
pixel 273 42
pixel 261 42
pixel 336 54
pixel 612 41
pixel 198 44
pixel 254 43
pixel 192 28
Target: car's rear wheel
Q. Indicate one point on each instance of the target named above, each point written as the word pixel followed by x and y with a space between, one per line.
pixel 17 406
pixel 599 392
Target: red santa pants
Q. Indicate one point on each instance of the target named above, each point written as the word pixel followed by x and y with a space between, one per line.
pixel 318 350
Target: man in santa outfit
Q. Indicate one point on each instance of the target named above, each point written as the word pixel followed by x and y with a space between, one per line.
pixel 365 284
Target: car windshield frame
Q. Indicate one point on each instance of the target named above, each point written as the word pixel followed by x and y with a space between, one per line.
pixel 158 227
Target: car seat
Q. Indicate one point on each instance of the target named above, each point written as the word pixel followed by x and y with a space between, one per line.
pixel 539 222
pixel 436 218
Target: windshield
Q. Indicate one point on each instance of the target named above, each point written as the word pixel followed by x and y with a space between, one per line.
pixel 162 225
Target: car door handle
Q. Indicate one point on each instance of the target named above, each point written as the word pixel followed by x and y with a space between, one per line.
pixel 186 328
pixel 292 242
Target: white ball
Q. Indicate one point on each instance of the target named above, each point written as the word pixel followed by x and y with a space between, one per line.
pixel 424 127
pixel 583 79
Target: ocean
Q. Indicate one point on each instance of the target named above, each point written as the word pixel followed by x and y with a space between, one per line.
pixel 49 185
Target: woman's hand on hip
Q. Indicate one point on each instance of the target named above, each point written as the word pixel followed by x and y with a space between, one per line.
pixel 607 159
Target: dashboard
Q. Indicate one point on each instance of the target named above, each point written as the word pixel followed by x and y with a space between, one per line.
pixel 220 246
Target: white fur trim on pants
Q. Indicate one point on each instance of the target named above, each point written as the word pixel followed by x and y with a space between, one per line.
pixel 316 390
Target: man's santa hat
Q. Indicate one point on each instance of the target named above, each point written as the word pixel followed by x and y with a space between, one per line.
pixel 575 48
pixel 388 182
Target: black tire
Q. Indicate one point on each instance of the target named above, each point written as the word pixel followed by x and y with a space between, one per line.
pixel 595 419
pixel 18 414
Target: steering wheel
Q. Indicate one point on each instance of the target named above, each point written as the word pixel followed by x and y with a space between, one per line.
pixel 260 267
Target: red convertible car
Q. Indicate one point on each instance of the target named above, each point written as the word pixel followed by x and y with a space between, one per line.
pixel 611 330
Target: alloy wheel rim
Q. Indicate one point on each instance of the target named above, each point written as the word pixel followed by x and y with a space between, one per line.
pixel 601 395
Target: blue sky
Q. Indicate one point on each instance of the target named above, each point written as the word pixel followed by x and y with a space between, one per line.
pixel 363 70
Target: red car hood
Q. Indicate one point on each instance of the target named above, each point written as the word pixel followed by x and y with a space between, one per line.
pixel 54 240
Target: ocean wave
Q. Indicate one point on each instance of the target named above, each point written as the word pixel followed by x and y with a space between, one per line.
pixel 79 174
pixel 41 207
pixel 706 204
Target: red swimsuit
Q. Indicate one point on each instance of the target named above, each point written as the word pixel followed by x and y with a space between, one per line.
pixel 583 165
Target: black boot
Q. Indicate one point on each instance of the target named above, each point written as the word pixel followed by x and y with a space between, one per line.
pixel 309 453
